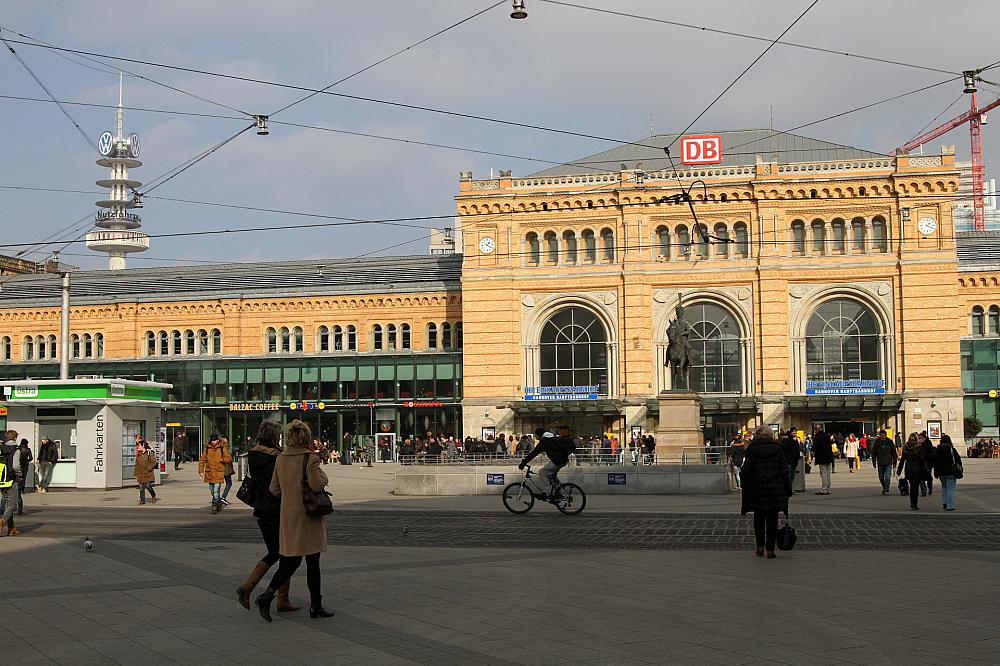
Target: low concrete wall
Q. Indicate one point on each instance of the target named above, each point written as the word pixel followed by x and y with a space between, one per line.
pixel 433 480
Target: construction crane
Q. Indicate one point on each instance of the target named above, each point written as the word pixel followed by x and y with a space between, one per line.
pixel 976 117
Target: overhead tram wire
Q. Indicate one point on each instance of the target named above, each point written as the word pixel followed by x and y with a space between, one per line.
pixel 389 57
pixel 935 118
pixel 131 109
pixel 184 166
pixel 732 33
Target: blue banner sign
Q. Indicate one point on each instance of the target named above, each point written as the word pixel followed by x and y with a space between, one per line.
pixel 845 387
pixel 494 479
pixel 617 479
pixel 560 392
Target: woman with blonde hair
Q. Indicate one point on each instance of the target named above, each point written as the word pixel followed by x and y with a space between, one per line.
pixel 299 533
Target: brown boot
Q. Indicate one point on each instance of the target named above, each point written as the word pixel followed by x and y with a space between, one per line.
pixel 243 591
pixel 13 531
pixel 284 605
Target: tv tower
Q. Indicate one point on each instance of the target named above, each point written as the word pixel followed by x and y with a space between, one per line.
pixel 115 234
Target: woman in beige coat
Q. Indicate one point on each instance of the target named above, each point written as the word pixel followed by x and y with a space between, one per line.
pixel 299 534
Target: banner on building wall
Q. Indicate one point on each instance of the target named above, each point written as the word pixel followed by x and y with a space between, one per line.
pixel 560 392
pixel 845 387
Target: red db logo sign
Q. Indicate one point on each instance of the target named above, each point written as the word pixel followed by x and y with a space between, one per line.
pixel 701 149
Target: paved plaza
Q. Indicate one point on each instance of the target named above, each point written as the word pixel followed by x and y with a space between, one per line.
pixel 644 580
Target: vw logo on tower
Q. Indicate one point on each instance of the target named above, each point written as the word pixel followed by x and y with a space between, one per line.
pixel 105 143
pixel 133 144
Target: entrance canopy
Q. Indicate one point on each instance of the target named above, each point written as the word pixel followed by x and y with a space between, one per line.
pixel 886 402
pixel 555 408
pixel 68 392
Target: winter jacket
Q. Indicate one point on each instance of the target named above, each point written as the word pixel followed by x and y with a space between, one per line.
pixel 551 446
pixel 914 462
pixel 260 463
pixel 212 463
pixel 299 533
pixel 883 452
pixel 48 453
pixel 928 447
pixel 946 461
pixel 790 447
pixel 764 477
pixel 737 453
pixel 145 466
pixel 851 448
pixel 823 448
pixel 11 456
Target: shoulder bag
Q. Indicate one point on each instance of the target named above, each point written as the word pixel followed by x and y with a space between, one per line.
pixel 247 492
pixel 786 536
pixel 317 504
pixel 957 470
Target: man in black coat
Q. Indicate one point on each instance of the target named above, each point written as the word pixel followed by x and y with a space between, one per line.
pixel 823 456
pixel 883 459
pixel 790 447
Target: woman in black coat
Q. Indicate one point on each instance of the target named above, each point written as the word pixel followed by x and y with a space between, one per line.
pixel 766 488
pixel 267 511
pixel 915 466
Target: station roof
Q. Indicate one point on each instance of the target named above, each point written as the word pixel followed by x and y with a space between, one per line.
pixel 739 148
pixel 267 279
pixel 978 250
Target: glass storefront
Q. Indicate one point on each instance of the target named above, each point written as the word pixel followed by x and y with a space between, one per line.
pixel 980 367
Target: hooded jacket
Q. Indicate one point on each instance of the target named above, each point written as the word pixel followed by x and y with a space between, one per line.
pixel 764 476
pixel 10 455
pixel 914 462
pixel 213 462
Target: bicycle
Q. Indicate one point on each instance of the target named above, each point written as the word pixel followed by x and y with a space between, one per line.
pixel 520 496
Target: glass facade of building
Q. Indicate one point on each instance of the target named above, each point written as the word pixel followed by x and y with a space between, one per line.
pixel 980 368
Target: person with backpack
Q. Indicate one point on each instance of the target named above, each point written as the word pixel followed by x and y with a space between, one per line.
pixel 10 475
pixel 48 456
pixel 26 459
pixel 947 465
pixel 212 467
pixel 558 450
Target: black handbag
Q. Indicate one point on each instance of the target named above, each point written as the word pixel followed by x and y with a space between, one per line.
pixel 317 504
pixel 247 492
pixel 786 536
pixel 958 471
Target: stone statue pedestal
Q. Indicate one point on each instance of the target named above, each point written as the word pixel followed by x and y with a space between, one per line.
pixel 679 426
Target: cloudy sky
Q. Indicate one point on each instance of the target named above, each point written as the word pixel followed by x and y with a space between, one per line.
pixel 563 68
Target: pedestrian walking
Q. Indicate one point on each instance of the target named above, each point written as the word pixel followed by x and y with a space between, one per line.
pixel 24 451
pixel 927 484
pixel 369 450
pixel 211 468
pixel 884 458
pixel 915 466
pixel 947 465
pixel 299 534
pixel 822 451
pixel 227 470
pixel 267 513
pixel 179 447
pixel 145 470
pixel 48 456
pixel 790 447
pixel 737 454
pixel 766 488
pixel 10 456
pixel 851 451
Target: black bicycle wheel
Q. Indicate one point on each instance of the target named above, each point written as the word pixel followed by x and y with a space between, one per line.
pixel 518 498
pixel 572 499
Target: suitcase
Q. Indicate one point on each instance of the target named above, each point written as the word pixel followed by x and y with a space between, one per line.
pixel 904 487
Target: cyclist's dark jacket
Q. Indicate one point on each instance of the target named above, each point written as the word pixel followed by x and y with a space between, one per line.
pixel 553 447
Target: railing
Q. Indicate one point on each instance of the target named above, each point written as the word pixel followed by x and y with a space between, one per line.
pixel 837 165
pixel 578 459
pixel 705 455
pixel 133 239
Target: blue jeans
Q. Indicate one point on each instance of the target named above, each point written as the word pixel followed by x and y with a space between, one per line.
pixel 736 475
pixel 215 489
pixel 229 484
pixel 885 476
pixel 143 487
pixel 948 491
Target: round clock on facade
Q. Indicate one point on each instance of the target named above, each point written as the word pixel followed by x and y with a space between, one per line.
pixel 487 245
pixel 926 226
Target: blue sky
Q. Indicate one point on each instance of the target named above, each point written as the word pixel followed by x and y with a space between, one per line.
pixel 562 67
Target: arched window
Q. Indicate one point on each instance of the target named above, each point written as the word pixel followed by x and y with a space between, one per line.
pixel 589 246
pixel 862 191
pixel 459 342
pixel 880 241
pixel 813 194
pixel 722 244
pixel 297 340
pixel 858 234
pixel 573 350
pixel 40 348
pixel 175 343
pixel 798 237
pixel 28 349
pixel 534 249
pixel 377 337
pixel 742 239
pixel 838 231
pixel 323 339
pixel 352 338
pixel 662 242
pixel 286 340
pixel 701 240
pixel 164 343
pixel 272 341
pixel 217 340
pixel 338 338
pixel 569 239
pixel 432 335
pixel 5 348
pixel 52 346
pixel 390 334
pixel 977 321
pixel 189 342
pixel 99 345
pixel 842 342
pixel 819 237
pixel 150 343
pixel 683 241
pixel 993 322
pixel 74 341
pixel 551 247
pixel 608 244
pixel 203 340
pixel 404 335
pixel 716 364
pixel 446 336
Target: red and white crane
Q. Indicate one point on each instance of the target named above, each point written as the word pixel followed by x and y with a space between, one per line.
pixel 975 117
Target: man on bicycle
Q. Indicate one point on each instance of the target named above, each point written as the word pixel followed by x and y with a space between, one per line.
pixel 558 450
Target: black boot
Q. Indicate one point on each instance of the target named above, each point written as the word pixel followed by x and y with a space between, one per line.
pixel 316 609
pixel 263 603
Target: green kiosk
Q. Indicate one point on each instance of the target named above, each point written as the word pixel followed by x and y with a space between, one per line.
pixel 93 422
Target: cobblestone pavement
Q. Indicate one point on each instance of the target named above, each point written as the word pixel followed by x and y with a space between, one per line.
pixel 543 528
